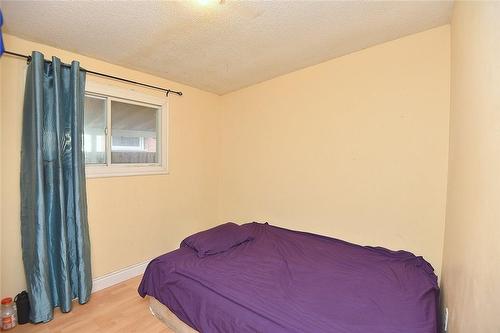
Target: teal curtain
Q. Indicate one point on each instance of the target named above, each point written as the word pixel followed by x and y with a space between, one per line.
pixel 2 49
pixel 54 228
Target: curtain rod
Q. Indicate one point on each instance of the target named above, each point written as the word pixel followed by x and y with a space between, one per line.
pixel 167 91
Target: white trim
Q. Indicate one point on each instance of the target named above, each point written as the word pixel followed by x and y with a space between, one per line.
pixel 116 170
pixel 121 275
pixel 121 93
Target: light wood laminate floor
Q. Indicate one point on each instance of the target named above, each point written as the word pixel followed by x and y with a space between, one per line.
pixel 115 309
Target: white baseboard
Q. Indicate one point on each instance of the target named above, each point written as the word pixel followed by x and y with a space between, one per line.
pixel 121 275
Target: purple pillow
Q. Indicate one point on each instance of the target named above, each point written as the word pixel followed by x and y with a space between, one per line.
pixel 218 239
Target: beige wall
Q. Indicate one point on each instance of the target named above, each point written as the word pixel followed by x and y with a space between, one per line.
pixel 471 259
pixel 354 148
pixel 131 218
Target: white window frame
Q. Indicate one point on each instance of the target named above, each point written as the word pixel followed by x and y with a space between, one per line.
pixel 132 97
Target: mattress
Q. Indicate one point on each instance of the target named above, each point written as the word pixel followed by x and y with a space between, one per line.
pixel 166 316
pixel 286 281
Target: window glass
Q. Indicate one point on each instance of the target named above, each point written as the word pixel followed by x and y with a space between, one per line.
pixel 133 133
pixel 94 142
pixel 124 132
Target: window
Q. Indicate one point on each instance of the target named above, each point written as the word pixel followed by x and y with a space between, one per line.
pixel 124 132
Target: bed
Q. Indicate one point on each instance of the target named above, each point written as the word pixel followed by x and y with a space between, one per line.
pixel 290 281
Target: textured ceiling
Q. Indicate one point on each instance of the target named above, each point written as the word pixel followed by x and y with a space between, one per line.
pixel 219 47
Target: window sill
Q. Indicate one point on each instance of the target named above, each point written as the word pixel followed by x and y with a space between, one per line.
pixel 123 171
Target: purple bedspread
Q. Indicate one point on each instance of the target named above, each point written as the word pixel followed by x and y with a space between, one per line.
pixel 289 281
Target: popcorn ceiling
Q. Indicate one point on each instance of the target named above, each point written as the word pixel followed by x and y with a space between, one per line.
pixel 219 47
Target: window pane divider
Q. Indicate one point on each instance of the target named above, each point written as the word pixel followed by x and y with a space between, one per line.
pixel 108 131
